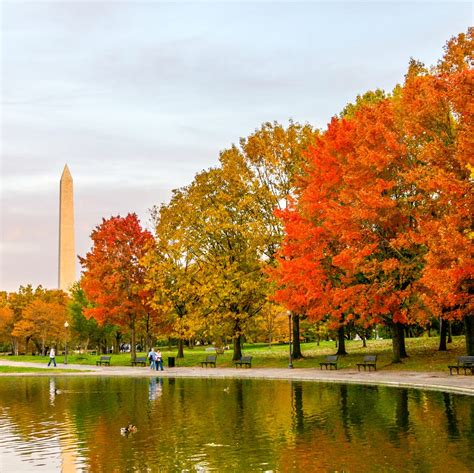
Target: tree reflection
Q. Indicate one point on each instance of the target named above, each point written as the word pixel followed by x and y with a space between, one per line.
pixel 298 414
pixel 452 422
pixel 402 414
pixel 343 394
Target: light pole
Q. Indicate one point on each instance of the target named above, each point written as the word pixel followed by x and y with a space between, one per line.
pixel 290 365
pixel 66 325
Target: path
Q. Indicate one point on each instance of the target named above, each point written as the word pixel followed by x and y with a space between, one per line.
pixel 410 379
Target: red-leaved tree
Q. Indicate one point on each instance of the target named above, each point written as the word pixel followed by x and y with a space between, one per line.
pixel 113 278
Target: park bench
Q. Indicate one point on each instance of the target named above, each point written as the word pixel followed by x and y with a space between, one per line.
pixel 244 361
pixel 330 361
pixel 139 360
pixel 104 360
pixel 210 360
pixel 465 363
pixel 369 361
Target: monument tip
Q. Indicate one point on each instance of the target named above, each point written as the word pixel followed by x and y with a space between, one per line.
pixel 66 173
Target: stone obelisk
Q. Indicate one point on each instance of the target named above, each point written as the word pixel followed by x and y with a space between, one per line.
pixel 67 257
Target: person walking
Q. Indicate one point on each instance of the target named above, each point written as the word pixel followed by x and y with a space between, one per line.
pixel 52 357
pixel 152 358
pixel 159 360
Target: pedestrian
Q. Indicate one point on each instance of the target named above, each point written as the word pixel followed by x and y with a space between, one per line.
pixel 152 358
pixel 52 357
pixel 159 360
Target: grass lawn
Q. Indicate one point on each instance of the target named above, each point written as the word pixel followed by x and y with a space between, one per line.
pixel 423 355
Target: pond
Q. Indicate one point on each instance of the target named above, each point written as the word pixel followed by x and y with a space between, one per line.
pixel 229 425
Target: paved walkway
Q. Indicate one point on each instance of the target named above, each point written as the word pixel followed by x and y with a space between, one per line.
pixel 438 381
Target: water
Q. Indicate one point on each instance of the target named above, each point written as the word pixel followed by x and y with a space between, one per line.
pixel 188 425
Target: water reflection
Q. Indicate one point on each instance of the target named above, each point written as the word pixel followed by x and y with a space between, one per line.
pixel 298 414
pixel 450 410
pixel 73 424
pixel 155 389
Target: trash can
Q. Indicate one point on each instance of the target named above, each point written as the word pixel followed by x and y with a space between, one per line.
pixel 171 361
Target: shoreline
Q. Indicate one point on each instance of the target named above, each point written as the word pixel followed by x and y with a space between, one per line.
pixel 432 381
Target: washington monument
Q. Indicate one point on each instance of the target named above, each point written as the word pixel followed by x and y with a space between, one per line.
pixel 67 258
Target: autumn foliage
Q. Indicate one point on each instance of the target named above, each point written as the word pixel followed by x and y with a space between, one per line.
pixel 380 229
pixel 113 279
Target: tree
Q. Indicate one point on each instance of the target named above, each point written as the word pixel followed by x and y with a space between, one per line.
pixel 172 272
pixel 43 322
pixel 437 117
pixel 350 242
pixel 113 279
pixel 87 331
pixel 18 301
pixel 229 240
pixel 6 322
pixel 276 156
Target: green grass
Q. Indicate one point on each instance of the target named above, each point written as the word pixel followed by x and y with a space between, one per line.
pixel 423 355
pixel 22 369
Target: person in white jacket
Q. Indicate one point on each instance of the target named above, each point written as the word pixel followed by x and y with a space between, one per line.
pixel 52 357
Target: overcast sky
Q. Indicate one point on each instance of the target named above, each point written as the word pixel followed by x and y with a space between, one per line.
pixel 137 97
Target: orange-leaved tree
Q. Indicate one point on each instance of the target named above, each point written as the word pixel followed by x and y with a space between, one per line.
pixel 43 322
pixel 437 115
pixel 356 231
pixel 113 278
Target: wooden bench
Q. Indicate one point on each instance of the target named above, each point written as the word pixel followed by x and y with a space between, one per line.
pixel 369 361
pixel 465 363
pixel 104 360
pixel 244 361
pixel 139 360
pixel 210 360
pixel 331 360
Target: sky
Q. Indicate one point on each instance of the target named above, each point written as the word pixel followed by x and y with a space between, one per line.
pixel 137 97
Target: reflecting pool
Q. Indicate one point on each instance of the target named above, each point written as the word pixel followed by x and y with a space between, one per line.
pixel 74 424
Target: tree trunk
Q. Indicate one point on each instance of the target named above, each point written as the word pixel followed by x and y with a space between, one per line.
pixel 364 340
pixel 180 348
pixel 148 340
pixel 296 337
pixel 27 341
pixel 469 324
pixel 237 348
pixel 118 336
pixel 133 348
pixel 450 333
pixel 15 346
pixel 398 342
pixel 341 346
pixel 396 356
pixel 403 349
pixel 443 330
